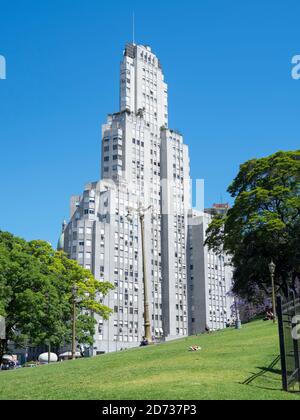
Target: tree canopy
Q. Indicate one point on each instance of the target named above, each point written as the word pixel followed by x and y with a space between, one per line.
pixel 263 224
pixel 36 298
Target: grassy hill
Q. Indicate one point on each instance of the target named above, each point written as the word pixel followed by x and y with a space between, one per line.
pixel 232 365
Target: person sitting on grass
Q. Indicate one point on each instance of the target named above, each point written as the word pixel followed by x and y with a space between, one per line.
pixel 207 329
pixel 144 342
pixel 269 315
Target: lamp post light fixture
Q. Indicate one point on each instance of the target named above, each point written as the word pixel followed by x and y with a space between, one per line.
pixel 272 269
pixel 141 212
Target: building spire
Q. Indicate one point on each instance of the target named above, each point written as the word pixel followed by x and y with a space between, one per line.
pixel 64 225
pixel 61 241
pixel 133 27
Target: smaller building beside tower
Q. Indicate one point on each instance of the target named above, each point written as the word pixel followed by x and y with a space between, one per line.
pixel 211 305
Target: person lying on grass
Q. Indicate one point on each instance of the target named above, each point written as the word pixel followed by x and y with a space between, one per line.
pixel 195 348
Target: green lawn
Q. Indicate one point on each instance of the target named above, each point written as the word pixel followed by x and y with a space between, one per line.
pixel 232 365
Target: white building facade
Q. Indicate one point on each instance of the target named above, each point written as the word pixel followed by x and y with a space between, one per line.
pixel 143 164
pixel 211 304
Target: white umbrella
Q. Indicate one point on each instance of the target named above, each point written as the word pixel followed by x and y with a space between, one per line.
pixel 44 358
pixel 7 357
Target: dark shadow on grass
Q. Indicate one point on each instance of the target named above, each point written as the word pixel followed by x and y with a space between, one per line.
pixel 270 369
pixel 262 371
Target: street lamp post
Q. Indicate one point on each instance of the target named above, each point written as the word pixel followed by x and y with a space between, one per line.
pixel 272 269
pixel 148 334
pixel 141 212
pixel 49 340
pixel 74 294
pixel 238 323
pixel 49 352
pixel 2 334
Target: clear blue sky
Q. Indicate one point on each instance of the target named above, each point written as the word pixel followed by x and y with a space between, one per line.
pixel 228 65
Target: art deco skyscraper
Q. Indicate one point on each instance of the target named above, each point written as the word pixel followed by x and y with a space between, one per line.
pixel 143 163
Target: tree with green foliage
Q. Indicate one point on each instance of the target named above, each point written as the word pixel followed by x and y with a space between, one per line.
pixel 262 225
pixel 36 285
